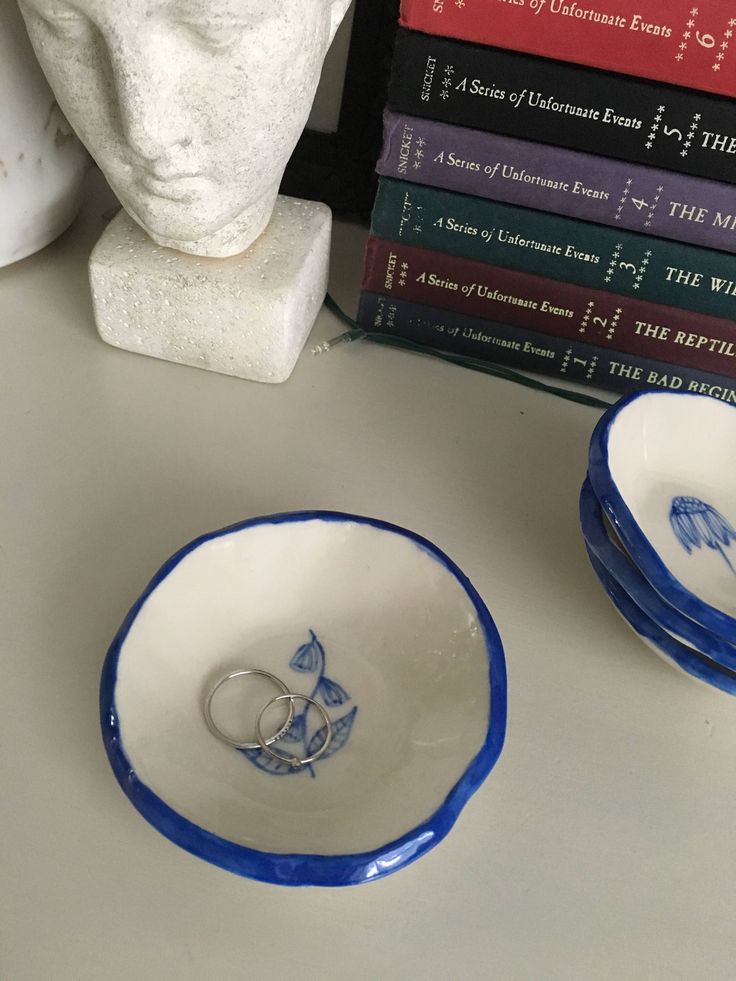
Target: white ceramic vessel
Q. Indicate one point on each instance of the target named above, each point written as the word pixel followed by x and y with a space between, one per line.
pixel 670 650
pixel 373 622
pixel 710 656
pixel 42 163
pixel 661 464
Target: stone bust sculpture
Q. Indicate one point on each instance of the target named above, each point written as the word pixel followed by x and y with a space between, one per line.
pixel 191 108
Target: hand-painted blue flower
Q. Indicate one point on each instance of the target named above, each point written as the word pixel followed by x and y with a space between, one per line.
pixel 340 734
pixel 696 523
pixel 309 657
pixel 331 692
pixel 297 731
pixel 268 763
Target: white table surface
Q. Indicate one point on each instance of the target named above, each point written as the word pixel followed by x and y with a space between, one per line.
pixel 603 844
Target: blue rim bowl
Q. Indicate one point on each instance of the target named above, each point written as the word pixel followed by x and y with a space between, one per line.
pixel 673 651
pixel 637 544
pixel 297 869
pixel 715 651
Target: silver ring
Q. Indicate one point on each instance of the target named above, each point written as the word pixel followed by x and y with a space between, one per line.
pixel 216 731
pixel 294 761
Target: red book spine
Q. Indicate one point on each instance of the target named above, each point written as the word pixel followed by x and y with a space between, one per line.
pixel 680 42
pixel 560 309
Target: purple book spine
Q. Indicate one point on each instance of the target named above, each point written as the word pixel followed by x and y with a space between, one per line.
pixel 566 182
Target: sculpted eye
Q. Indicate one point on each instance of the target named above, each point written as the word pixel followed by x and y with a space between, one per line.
pixel 70 28
pixel 217 36
pixel 63 22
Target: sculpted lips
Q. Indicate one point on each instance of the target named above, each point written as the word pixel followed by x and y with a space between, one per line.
pixel 168 183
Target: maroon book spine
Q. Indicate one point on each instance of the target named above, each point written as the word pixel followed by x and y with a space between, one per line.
pixel 560 309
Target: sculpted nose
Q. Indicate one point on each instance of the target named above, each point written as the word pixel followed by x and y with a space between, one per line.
pixel 150 119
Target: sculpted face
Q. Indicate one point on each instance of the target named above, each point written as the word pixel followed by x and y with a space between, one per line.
pixel 191 108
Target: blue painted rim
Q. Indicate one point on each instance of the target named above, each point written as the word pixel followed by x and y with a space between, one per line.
pixel 672 649
pixel 720 657
pixel 308 869
pixel 637 544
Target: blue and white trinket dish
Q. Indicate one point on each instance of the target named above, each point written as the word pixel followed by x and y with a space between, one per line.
pixel 657 639
pixel 698 652
pixel 661 464
pixel 374 623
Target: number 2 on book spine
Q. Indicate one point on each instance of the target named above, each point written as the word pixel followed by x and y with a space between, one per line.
pixel 601 325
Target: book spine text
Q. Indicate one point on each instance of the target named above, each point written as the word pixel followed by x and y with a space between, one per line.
pixel 564 105
pixel 579 252
pixel 529 350
pixel 560 309
pixel 678 42
pixel 547 178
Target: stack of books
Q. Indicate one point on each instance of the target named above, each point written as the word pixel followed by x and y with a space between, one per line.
pixel 558 189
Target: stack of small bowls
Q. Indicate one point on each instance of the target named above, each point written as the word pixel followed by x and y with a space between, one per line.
pixel 658 515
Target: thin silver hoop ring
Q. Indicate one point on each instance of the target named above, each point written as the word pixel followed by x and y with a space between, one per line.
pixel 216 731
pixel 294 761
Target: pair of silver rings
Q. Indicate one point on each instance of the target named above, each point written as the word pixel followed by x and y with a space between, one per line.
pixel 263 743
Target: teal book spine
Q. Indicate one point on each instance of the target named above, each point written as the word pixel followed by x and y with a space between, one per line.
pixel 565 249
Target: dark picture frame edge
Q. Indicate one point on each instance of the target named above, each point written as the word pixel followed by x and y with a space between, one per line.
pixel 339 168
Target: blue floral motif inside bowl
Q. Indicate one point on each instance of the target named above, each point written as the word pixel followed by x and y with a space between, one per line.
pixel 305 740
pixel 696 523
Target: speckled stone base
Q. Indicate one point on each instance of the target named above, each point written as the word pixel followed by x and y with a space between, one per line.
pixel 248 315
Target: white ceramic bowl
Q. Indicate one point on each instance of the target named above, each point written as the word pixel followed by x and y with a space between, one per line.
pixel 706 652
pixel 662 466
pixel 657 639
pixel 373 621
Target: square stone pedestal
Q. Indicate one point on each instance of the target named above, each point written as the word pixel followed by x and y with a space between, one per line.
pixel 248 315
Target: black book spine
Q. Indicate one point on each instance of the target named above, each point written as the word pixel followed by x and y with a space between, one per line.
pixel 565 105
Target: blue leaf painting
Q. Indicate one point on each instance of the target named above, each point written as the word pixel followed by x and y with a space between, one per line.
pixel 696 523
pixel 297 731
pixel 267 763
pixel 301 740
pixel 341 729
pixel 310 657
pixel 330 692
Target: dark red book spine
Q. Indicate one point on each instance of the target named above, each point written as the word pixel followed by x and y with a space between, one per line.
pixel 560 309
pixel 676 41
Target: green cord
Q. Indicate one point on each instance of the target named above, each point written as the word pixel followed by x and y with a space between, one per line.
pixel 357 333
